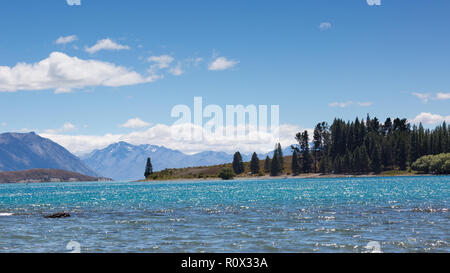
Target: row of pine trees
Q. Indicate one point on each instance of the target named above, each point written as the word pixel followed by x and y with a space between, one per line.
pixel 360 146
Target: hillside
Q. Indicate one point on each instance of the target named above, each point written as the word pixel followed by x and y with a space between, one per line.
pixel 20 152
pixel 45 175
pixel 206 172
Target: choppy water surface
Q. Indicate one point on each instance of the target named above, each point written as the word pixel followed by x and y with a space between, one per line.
pixel 403 214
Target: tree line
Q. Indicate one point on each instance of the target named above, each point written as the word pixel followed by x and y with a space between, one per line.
pixel 355 147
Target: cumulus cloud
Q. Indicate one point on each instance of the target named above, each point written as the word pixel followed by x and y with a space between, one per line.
pixel 67 127
pixel 429 118
pixel 64 73
pixel 161 134
pixel 135 123
pixel 350 103
pixel 222 63
pixel 73 2
pixel 66 40
pixel 324 26
pixel 106 44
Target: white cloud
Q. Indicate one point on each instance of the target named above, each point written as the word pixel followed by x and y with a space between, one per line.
pixel 106 44
pixel 135 123
pixel 325 26
pixel 4 124
pixel 350 103
pixel 162 61
pixel 424 97
pixel 443 96
pixel 429 118
pixel 73 2
pixel 67 127
pixel 161 134
pixel 374 2
pixel 177 70
pixel 64 73
pixel 222 63
pixel 66 40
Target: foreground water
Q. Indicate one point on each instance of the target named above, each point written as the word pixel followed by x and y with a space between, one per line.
pixel 402 214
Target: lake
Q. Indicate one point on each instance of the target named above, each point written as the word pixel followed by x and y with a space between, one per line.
pixel 400 214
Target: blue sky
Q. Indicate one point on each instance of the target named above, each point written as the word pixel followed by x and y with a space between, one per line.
pixel 316 59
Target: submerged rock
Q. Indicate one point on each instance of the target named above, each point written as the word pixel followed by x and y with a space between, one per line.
pixel 58 215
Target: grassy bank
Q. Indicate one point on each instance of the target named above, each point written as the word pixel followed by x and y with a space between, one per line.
pixel 211 173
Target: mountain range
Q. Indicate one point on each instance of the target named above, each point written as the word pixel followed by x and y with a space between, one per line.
pixel 124 161
pixel 19 152
pixel 120 161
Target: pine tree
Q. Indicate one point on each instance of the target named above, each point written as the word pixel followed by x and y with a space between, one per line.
pixel 323 165
pixel 295 163
pixel 148 168
pixel 238 165
pixel 303 140
pixel 267 164
pixel 275 167
pixel 337 165
pixel 402 155
pixel 318 143
pixel 254 164
pixel 365 160
pixel 279 151
pixel 376 159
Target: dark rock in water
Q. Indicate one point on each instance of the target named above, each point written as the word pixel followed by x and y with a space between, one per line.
pixel 58 215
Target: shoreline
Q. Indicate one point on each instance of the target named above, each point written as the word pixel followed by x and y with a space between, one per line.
pixel 285 177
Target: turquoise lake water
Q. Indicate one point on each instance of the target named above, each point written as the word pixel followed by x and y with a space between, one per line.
pixel 402 214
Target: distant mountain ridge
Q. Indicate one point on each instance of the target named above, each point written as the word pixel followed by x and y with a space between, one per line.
pixel 24 151
pixel 46 175
pixel 124 161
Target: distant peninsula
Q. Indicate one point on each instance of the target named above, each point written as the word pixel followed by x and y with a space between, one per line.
pixel 46 175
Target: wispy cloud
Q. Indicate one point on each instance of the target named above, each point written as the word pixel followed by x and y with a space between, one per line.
pixel 106 44
pixel 66 40
pixel 422 96
pixel 425 97
pixel 73 2
pixel 64 73
pixel 350 103
pixel 443 96
pixel 325 26
pixel 162 61
pixel 222 63
pixel 177 70
pixel 67 127
pixel 429 118
pixel 135 123
pixel 374 2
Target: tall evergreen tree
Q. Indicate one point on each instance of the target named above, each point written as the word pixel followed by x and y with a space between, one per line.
pixel 254 164
pixel 402 155
pixel 275 167
pixel 238 165
pixel 148 168
pixel 279 151
pixel 303 140
pixel 376 159
pixel 295 163
pixel 267 164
